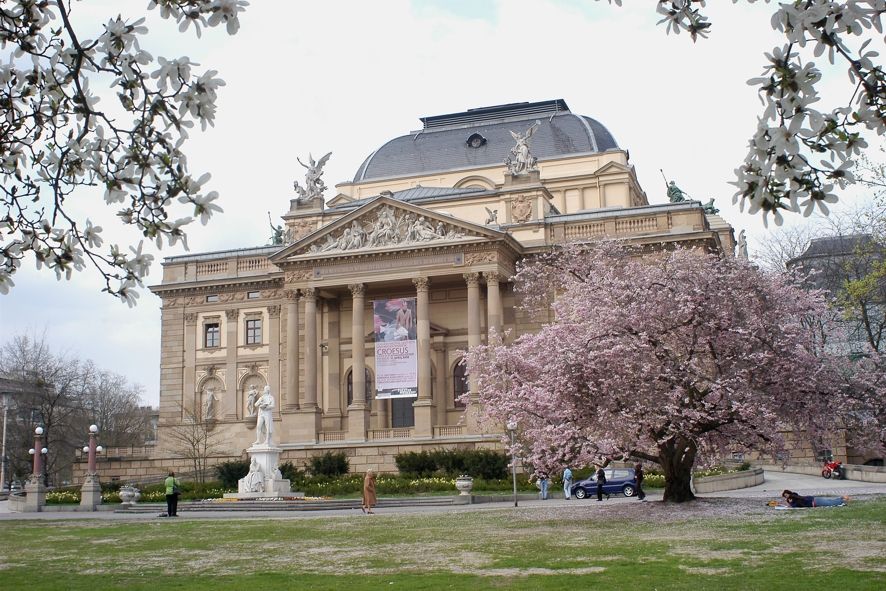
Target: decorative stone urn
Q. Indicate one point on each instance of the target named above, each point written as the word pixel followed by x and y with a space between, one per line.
pixel 464 484
pixel 129 495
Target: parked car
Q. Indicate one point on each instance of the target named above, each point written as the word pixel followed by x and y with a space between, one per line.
pixel 618 481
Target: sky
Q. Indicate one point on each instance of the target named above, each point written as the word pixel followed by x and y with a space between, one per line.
pixel 347 76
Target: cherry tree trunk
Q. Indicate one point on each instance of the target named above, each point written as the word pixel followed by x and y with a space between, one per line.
pixel 676 457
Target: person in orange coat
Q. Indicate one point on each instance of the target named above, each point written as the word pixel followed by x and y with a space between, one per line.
pixel 369 499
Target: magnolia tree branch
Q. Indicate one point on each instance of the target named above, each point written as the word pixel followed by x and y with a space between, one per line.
pixel 799 156
pixel 56 138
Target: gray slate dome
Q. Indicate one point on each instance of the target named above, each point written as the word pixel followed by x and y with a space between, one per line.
pixel 481 137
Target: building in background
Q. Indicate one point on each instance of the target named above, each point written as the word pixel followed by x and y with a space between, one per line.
pixel 434 222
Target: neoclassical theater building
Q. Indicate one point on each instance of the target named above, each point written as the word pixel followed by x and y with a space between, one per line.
pixel 438 217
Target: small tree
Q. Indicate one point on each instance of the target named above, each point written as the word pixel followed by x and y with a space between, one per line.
pixel 195 439
pixel 674 357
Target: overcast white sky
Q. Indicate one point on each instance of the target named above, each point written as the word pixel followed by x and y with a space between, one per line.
pixel 347 76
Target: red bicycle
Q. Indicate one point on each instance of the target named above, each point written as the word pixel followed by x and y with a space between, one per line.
pixel 833 469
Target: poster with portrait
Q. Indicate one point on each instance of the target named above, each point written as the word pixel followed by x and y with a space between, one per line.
pixel 396 349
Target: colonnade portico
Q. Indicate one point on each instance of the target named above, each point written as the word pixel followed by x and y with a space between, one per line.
pixel 304 407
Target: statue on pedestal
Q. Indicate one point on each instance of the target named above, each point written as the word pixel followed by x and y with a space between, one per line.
pixel 264 427
pixel 520 160
pixel 314 185
pixel 250 400
pixel 254 481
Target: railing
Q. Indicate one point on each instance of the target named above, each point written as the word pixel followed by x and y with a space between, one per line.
pixel 635 225
pixel 117 452
pixel 326 436
pixel 253 264
pixel 585 231
pixel 211 268
pixel 448 430
pixel 398 433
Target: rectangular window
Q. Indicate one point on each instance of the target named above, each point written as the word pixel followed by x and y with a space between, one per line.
pixel 211 298
pixel 211 335
pixel 252 295
pixel 253 331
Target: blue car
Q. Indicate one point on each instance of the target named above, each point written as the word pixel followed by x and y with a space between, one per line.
pixel 618 481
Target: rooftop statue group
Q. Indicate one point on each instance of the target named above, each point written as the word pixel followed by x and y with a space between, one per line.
pixel 520 160
pixel 677 195
pixel 313 189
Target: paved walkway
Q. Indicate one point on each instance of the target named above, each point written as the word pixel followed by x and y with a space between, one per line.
pixel 771 488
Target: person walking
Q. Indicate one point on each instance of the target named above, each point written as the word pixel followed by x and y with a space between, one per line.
pixel 567 483
pixel 172 491
pixel 369 498
pixel 601 480
pixel 639 475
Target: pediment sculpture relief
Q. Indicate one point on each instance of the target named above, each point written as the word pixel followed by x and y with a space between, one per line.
pixel 389 228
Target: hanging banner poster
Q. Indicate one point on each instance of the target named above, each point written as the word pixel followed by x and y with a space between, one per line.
pixel 396 348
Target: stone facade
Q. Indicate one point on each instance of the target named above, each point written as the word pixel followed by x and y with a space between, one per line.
pixel 298 316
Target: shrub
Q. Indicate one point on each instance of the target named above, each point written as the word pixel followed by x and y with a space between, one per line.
pixel 230 472
pixel 479 463
pixel 416 464
pixel 330 464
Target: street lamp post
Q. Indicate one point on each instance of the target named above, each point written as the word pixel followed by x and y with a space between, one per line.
pixel 512 431
pixel 35 490
pixel 91 491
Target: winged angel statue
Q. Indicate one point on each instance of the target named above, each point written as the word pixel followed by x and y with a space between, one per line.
pixel 314 185
pixel 519 160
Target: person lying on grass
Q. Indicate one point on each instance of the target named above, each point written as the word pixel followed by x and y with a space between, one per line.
pixel 796 500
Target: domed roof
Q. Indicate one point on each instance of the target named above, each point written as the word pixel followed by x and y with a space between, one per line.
pixel 481 137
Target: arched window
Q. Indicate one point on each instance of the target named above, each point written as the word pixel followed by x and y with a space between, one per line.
pixel 368 393
pixel 459 383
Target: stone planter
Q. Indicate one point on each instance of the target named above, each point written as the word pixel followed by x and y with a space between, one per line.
pixel 464 484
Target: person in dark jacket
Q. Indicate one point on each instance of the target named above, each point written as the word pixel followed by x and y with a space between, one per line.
pixel 796 500
pixel 638 474
pixel 601 480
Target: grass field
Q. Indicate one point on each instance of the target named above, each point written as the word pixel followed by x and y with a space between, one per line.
pixel 717 544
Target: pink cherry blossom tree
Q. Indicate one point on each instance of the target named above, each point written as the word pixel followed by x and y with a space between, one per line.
pixel 672 357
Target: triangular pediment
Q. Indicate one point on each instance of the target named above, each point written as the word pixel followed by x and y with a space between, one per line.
pixel 386 224
pixel 611 168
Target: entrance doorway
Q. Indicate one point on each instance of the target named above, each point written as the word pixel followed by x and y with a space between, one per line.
pixel 402 413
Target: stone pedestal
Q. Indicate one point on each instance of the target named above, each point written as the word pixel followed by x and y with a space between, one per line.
pixel 306 425
pixel 272 484
pixel 35 496
pixel 424 418
pixel 90 493
pixel 358 422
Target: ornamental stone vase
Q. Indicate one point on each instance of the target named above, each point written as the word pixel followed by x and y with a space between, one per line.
pixel 464 484
pixel 126 494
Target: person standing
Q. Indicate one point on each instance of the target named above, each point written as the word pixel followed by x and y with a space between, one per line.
pixel 567 483
pixel 543 484
pixel 369 498
pixel 172 491
pixel 638 473
pixel 601 480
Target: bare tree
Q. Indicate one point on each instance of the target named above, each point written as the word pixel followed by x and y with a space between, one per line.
pixel 196 439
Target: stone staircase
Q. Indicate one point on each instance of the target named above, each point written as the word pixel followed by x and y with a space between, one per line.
pixel 288 505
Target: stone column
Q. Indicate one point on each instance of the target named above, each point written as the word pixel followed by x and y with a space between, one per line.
pixel 442 394
pixel 311 349
pixel 424 405
pixel 474 339
pixel 358 411
pixel 307 424
pixel 493 301
pixel 190 369
pixel 229 402
pixel 290 398
pixel 333 405
pixel 274 351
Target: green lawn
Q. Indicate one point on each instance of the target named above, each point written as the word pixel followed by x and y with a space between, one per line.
pixel 717 544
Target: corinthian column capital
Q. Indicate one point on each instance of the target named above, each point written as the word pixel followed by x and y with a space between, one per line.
pixel 472 279
pixel 357 289
pixel 421 283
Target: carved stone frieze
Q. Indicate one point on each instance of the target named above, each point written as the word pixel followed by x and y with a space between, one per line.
pixel 299 275
pixel 473 258
pixel 521 209
pixel 390 227
pixel 270 293
pixel 301 228
pixel 193 301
